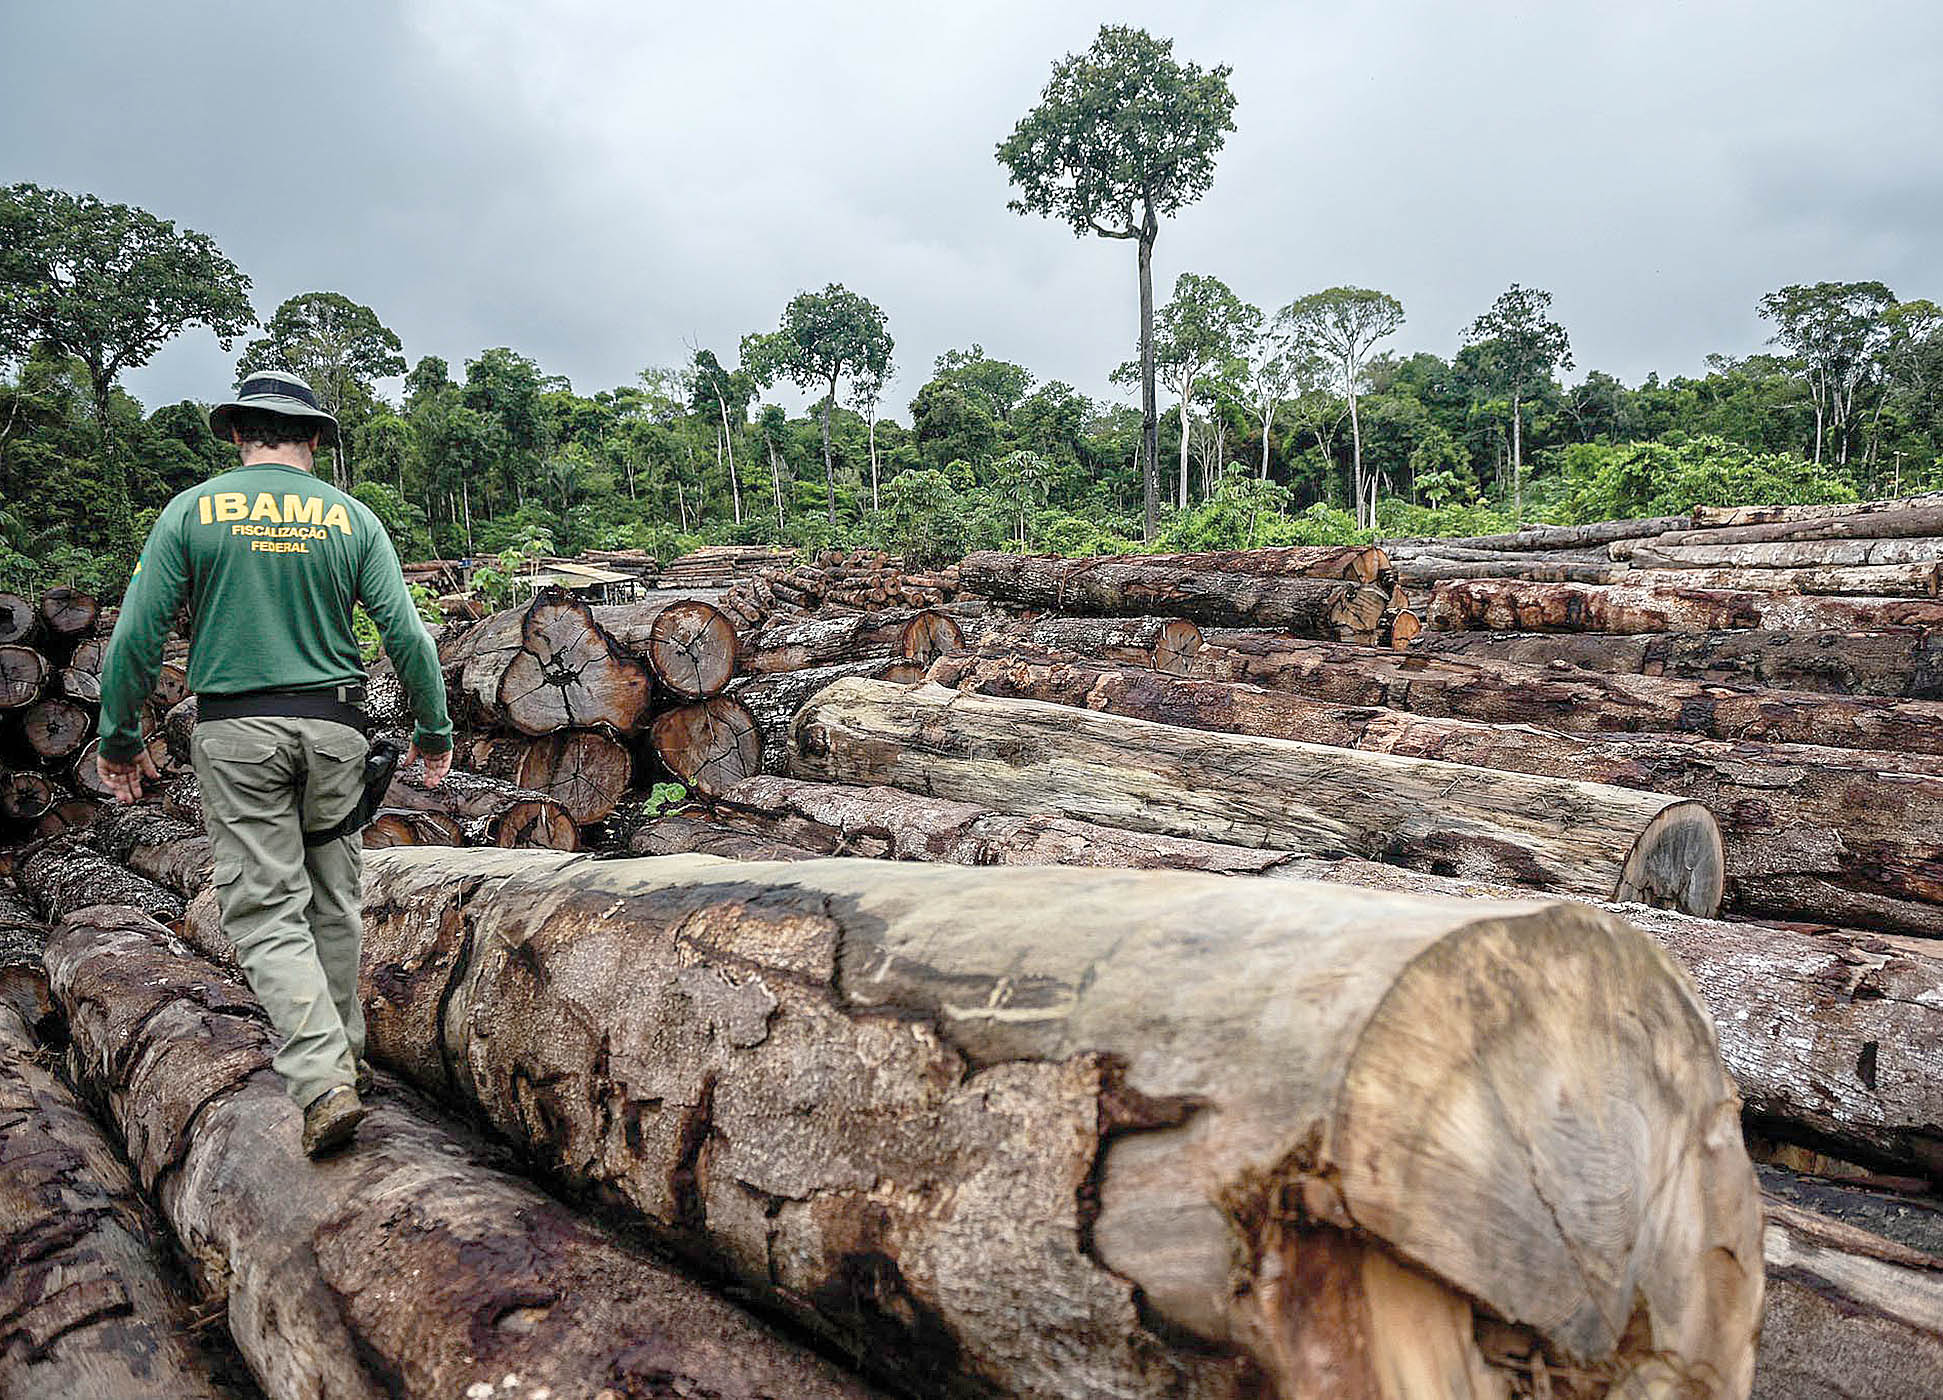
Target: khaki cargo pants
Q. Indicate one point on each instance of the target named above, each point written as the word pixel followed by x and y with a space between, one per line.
pixel 293 913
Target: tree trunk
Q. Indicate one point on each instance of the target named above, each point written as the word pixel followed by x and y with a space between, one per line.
pixel 735 482
pixel 1580 702
pixel 1424 569
pixel 1158 643
pixel 63 877
pixel 1652 606
pixel 1355 563
pixel 1365 509
pixel 1544 537
pixel 154 845
pixel 1079 1148
pixel 23 676
pixel 114 473
pixel 1517 457
pixel 870 434
pixel 708 745
pixel 69 614
pixel 1149 407
pixel 394 826
pixel 829 462
pixel 19 620
pixel 776 479
pixel 904 634
pixel 491 810
pixel 406 1266
pixel 1181 502
pixel 1871 520
pixel 1021 756
pixel 69 816
pixel 1311 607
pixel 1877 581
pixel 568 673
pixel 1791 554
pixel 91 1307
pixel 1905 663
pixel 55 728
pixel 1268 420
pixel 772 698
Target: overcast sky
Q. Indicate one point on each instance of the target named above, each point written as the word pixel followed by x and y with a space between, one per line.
pixel 602 185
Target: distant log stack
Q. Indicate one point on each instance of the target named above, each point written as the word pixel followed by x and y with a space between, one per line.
pixel 1186 1147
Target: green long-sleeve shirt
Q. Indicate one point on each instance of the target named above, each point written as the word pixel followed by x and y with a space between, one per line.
pixel 271 561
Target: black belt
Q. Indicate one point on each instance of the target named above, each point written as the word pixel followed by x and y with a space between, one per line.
pixel 339 705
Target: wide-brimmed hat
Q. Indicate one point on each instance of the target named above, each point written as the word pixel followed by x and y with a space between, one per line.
pixel 275 391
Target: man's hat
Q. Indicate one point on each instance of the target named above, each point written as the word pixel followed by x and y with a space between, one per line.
pixel 274 391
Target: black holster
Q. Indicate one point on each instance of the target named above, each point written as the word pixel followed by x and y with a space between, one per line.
pixel 379 765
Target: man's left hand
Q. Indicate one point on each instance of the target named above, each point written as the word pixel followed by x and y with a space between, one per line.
pixel 124 778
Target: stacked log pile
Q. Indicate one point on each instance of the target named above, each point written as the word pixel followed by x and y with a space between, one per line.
pixel 836 580
pixel 721 566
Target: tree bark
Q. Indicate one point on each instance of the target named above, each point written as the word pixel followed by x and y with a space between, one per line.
pixel 1428 568
pixel 1158 643
pixel 154 845
pixel 829 462
pixel 1311 607
pixel 1654 606
pixel 772 698
pixel 1869 581
pixel 1709 516
pixel 1790 554
pixel 1545 537
pixel 491 811
pixel 1355 563
pixel 708 745
pixel 1906 519
pixel 1904 663
pixel 1027 757
pixel 1149 405
pixel 901 634
pixel 1078 1147
pixel 63 877
pixel 406 1266
pixel 1568 699
pixel 90 1307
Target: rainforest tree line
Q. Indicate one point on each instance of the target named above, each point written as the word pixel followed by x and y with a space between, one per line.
pixel 1308 419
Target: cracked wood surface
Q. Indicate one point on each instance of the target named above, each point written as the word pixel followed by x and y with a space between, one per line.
pixel 1029 757
pixel 1808 832
pixel 406 1267
pixel 774 697
pixel 1055 1166
pixel 1509 605
pixel 689 645
pixel 708 745
pixel 568 673
pixel 902 634
pixel 1787 554
pixel 491 811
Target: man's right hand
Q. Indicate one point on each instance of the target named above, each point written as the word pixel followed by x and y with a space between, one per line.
pixel 437 765
pixel 124 779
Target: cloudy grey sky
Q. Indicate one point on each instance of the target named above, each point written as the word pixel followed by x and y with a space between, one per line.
pixel 602 184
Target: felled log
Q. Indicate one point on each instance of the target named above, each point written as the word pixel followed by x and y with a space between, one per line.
pixel 68 613
pixel 1909 521
pixel 87 1308
pixel 1025 756
pixel 68 816
pixel 182 799
pixel 1507 605
pixel 1848 1313
pixel 26 795
pixel 1312 607
pixel 709 745
pixel 902 635
pixel 772 698
pixel 1888 509
pixel 1159 643
pixel 19 620
pixel 1905 662
pixel 1428 569
pixel 404 1267
pixel 395 826
pixel 55 728
pixel 23 676
pixel 171 686
pixel 676 833
pixel 929 635
pixel 584 770
pixel 689 645
pixel 1869 581
pixel 1356 563
pixel 879 1094
pixel 86 773
pixel 491 811
pixel 64 876
pixel 1546 537
pixel 1566 698
pixel 154 844
pixel 73 683
pixel 567 673
pixel 1788 554
pixel 1834 1038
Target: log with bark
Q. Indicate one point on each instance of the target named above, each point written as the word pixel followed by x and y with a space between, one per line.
pixel 1545 537
pixel 24 674
pixel 1353 562
pixel 1869 581
pixel 1807 831
pixel 1215 1139
pixel 1787 554
pixel 74 683
pixel 1567 698
pixel 772 698
pixel 1903 663
pixel 1116 587
pixel 690 646
pixel 1910 521
pixel 68 613
pixel 1882 510
pixel 1429 569
pixel 56 728
pixel 709 745
pixel 155 845
pixel 404 1267
pixel 568 673
pixel 1159 643
pixel 491 811
pixel 1508 605
pixel 88 1307
pixel 64 876
pixel 798 645
pixel 1028 757
pixel 1835 1038
pixel 19 620
pixel 68 816
pixel 395 826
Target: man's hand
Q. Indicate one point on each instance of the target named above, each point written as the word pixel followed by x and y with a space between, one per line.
pixel 437 765
pixel 124 778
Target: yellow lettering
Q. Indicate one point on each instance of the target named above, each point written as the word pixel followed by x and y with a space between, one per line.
pixel 231 505
pixel 266 508
pixel 202 505
pixel 337 518
pixel 303 510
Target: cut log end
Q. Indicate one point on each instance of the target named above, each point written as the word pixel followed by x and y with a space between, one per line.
pixel 19 620
pixel 709 746
pixel 1174 648
pixel 692 649
pixel 68 612
pixel 928 636
pixel 1677 863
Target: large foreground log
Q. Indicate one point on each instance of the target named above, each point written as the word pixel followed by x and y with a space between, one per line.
pixel 404 1267
pixel 1563 698
pixel 1795 819
pixel 1904 663
pixel 1216 1139
pixel 86 1307
pixel 1312 607
pixel 1836 1039
pixel 1027 757
pixel 1504 605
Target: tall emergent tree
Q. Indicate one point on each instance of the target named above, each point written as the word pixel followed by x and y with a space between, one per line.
pixel 1122 137
pixel 727 394
pixel 337 345
pixel 825 338
pixel 1342 325
pixel 1837 334
pixel 109 285
pixel 1201 329
pixel 1273 367
pixel 1527 345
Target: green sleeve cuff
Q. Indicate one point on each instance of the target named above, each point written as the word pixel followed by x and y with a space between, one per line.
pixel 428 742
pixel 121 750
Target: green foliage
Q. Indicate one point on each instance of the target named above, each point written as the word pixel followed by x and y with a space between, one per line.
pixel 371 641
pixel 662 796
pixel 1651 478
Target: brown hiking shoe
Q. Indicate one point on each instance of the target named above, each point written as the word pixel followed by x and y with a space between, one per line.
pixel 364 1078
pixel 331 1120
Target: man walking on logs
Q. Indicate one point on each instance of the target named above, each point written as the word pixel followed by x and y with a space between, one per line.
pixel 271 562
